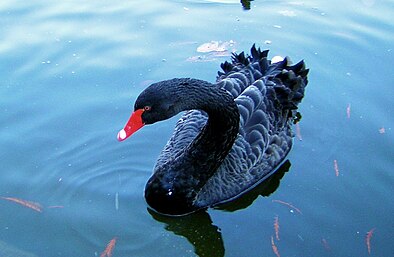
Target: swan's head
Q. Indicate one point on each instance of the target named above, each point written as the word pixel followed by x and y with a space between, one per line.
pixel 160 101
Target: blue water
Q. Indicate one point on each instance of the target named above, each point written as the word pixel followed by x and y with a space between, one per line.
pixel 70 72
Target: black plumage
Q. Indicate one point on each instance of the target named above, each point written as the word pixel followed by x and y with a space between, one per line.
pixel 233 135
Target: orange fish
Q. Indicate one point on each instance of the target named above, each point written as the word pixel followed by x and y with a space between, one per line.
pixel 274 248
pixel 298 131
pixel 110 247
pixel 32 205
pixel 276 227
pixel 348 111
pixel 288 204
pixel 368 239
pixel 336 168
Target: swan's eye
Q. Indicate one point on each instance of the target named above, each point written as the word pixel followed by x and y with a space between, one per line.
pixel 147 108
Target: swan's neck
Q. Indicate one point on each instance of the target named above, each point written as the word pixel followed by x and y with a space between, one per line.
pixel 180 179
pixel 208 150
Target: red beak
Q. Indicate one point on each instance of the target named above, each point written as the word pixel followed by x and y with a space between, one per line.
pixel 134 124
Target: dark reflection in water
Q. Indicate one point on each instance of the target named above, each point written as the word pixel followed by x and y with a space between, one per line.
pixel 246 4
pixel 198 228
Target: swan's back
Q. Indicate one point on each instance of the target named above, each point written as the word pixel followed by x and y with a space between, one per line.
pixel 267 96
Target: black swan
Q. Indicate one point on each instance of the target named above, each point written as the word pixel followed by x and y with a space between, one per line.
pixel 234 134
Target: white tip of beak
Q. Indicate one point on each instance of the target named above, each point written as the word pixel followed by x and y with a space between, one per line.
pixel 121 135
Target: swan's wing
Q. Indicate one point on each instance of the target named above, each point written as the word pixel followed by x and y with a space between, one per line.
pixel 186 129
pixel 266 108
pixel 235 176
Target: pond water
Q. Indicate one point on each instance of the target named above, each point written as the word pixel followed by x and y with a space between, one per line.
pixel 71 71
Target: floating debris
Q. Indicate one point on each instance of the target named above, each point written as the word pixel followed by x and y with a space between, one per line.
pixel 55 207
pixel 336 169
pixel 215 46
pixel 212 50
pixel 382 130
pixel 116 201
pixel 298 131
pixel 210 57
pixel 325 244
pixel 288 205
pixel 277 58
pixel 109 249
pixel 348 111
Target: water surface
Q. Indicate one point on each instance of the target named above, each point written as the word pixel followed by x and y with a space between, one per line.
pixel 71 72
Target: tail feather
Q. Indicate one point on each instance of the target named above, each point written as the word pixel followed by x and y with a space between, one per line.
pixel 290 85
pixel 289 81
pixel 240 59
pixel 257 54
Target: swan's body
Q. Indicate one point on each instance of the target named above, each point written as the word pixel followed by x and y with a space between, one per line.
pixel 247 135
